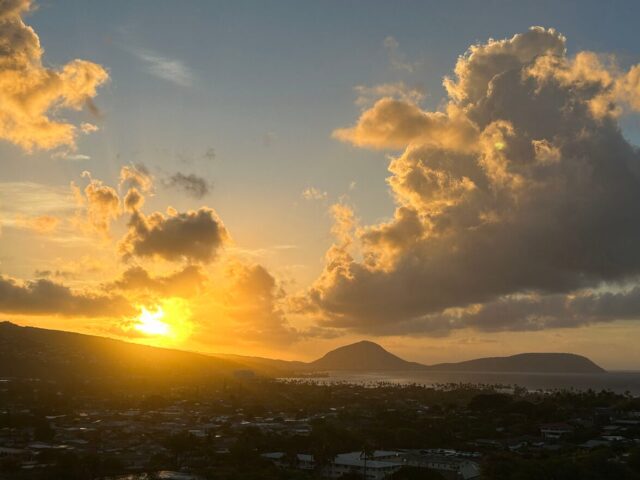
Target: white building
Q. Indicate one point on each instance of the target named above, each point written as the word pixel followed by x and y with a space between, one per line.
pixel 555 431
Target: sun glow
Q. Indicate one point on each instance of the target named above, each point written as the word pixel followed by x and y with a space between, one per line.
pixel 167 323
pixel 150 323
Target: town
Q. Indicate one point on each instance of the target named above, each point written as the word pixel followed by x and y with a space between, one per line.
pixel 262 428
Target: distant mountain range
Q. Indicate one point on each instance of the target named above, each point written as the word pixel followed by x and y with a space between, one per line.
pixel 42 353
pixel 369 356
pixel 525 363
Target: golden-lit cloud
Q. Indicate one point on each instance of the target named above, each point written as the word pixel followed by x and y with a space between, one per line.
pixel 30 94
pixel 313 193
pixel 616 90
pixel 39 224
pixel 394 124
pixel 135 176
pixel 248 308
pixel 513 202
pixel 367 96
pixel 99 205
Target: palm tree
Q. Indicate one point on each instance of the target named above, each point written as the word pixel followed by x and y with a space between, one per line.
pixel 366 453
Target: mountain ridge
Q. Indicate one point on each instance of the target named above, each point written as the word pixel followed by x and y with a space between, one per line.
pixel 534 362
pixel 366 355
pixel 31 349
pixel 362 355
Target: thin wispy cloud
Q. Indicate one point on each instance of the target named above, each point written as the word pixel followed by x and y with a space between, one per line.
pixel 170 69
pixel 397 58
pixel 312 193
pixel 64 155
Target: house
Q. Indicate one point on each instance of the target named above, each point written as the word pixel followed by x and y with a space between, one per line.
pixel 301 461
pixel 450 466
pixel 555 431
pixel 373 467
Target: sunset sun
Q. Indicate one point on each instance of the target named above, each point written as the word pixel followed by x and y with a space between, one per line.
pixel 166 323
pixel 150 323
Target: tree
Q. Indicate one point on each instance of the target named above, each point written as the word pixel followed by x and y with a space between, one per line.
pixel 366 453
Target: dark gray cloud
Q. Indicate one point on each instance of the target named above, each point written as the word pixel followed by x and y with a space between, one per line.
pixel 193 185
pixel 523 184
pixel 44 297
pixel 193 235
pixel 527 312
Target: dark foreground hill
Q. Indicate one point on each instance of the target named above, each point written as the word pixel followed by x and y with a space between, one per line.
pixel 52 354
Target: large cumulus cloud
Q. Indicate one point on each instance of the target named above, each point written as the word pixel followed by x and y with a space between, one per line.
pixel 30 92
pixel 194 235
pixel 521 193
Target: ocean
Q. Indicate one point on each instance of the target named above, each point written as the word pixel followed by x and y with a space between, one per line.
pixel 616 381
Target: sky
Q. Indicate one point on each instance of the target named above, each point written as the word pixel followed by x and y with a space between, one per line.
pixel 449 179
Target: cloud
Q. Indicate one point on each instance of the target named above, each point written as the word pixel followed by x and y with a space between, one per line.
pixel 521 188
pixel 209 154
pixel 193 235
pixel 86 266
pixel 169 69
pixel 393 124
pixel 86 128
pixel 66 155
pixel 34 206
pixel 532 312
pixel 184 283
pixel 253 309
pixel 100 205
pixel 31 95
pixel 399 91
pixel 136 176
pixel 397 59
pixel 40 224
pixel 484 63
pixel 44 297
pixel 192 184
pixel 30 198
pixel 312 193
